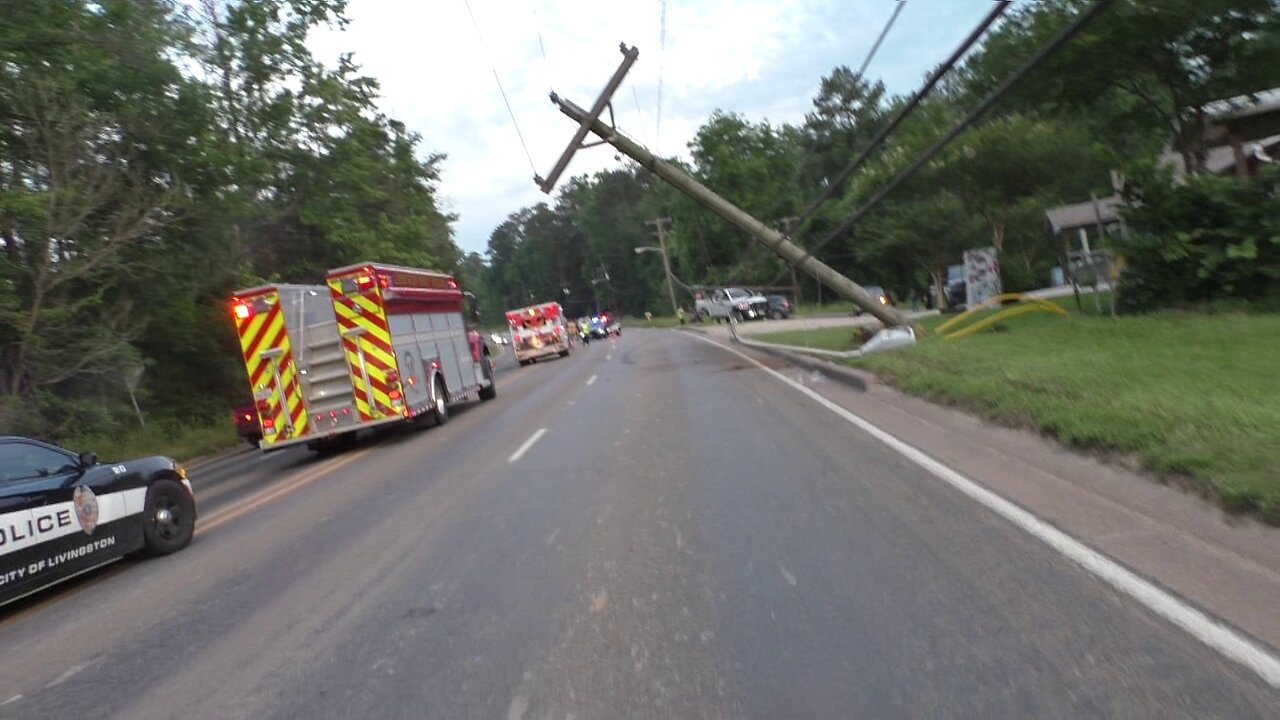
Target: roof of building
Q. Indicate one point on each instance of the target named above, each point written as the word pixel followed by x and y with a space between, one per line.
pixel 1083 215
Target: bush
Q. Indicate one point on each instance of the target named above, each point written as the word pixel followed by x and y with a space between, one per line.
pixel 1204 239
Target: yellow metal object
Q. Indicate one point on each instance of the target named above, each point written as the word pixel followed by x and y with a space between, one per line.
pixel 1026 304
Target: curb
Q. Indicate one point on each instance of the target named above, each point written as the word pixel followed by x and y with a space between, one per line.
pixel 840 373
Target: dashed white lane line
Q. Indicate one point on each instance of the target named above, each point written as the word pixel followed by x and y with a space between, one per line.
pixel 591 379
pixel 520 451
pixel 1217 636
pixel 15 698
pixel 70 673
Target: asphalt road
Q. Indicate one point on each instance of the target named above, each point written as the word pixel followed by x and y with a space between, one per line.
pixel 685 537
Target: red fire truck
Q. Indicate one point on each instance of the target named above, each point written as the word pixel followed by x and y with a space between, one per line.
pixel 378 344
pixel 408 348
pixel 538 331
pixel 295 364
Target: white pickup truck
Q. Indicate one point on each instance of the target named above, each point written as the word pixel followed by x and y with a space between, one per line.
pixel 726 303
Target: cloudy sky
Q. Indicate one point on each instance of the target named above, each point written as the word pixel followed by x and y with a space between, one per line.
pixel 760 58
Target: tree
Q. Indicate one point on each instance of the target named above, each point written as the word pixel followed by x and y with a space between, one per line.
pixel 847 112
pixel 1156 63
pixel 1208 238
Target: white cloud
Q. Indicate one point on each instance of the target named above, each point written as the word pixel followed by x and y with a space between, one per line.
pixel 761 58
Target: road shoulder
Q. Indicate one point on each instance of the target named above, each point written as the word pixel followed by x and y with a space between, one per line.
pixel 1227 566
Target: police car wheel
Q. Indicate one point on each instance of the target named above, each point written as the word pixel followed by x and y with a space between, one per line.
pixel 169 518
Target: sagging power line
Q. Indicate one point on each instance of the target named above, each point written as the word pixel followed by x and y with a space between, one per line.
pixel 662 59
pixel 834 185
pixel 501 89
pixel 1071 30
pixel 876 45
pixel 914 101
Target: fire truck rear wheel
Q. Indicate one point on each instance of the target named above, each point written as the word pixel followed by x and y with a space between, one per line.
pixel 564 353
pixel 440 412
pixel 491 392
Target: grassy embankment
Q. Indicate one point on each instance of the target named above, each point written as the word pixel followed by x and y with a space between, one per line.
pixel 1194 396
pixel 181 442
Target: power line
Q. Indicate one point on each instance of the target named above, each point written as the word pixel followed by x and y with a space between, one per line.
pixel 662 58
pixel 1061 38
pixel 502 90
pixel 879 138
pixel 537 26
pixel 640 113
pixel 995 12
pixel 896 11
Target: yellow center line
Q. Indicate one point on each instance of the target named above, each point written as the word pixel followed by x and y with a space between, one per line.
pixel 265 496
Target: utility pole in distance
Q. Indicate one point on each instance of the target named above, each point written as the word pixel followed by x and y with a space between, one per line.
pixel 772 239
pixel 661 225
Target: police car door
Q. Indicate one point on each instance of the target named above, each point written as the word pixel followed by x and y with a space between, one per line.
pixel 45 508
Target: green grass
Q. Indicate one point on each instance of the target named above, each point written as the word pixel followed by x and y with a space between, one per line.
pixel 842 307
pixel 176 441
pixel 1193 396
pixel 841 338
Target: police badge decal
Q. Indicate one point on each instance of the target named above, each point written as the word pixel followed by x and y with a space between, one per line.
pixel 86 508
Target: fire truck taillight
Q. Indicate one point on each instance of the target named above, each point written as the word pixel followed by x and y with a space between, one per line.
pixel 394 395
pixel 241 310
pixel 364 281
pixel 384 281
pixel 268 423
pixel 393 376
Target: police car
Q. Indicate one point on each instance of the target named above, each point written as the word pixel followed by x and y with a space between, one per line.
pixel 63 514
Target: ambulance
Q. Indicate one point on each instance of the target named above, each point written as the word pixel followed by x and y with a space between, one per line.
pixel 538 331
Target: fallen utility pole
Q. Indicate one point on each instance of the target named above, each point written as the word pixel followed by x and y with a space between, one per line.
pixel 770 238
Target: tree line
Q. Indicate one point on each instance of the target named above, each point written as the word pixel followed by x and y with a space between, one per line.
pixel 1133 85
pixel 154 156
pixel 157 154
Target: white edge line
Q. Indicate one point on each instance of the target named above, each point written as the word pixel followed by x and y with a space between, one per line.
pixel 591 379
pixel 1159 601
pixel 520 451
pixel 15 698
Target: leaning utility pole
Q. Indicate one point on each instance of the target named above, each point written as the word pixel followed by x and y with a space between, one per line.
pixel 661 225
pixel 772 239
pixel 787 223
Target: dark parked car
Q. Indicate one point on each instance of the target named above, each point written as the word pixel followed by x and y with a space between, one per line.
pixel 62 514
pixel 245 418
pixel 779 307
